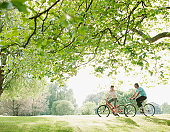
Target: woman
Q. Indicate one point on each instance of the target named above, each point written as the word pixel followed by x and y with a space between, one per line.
pixel 112 97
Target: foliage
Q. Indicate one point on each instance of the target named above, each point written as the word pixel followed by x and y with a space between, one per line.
pixel 22 99
pixel 55 38
pixel 18 4
pixel 25 106
pixel 165 107
pixel 157 108
pixel 96 98
pixel 57 92
pixel 123 97
pixel 88 108
pixel 63 107
pixel 21 87
pixel 24 96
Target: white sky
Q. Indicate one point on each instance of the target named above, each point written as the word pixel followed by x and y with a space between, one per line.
pixel 85 83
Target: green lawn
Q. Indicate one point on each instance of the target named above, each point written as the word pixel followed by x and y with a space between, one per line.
pixel 94 123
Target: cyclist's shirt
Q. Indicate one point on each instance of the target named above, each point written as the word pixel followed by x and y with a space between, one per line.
pixel 112 94
pixel 142 93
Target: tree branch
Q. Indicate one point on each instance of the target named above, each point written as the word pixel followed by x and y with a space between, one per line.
pixel 137 4
pixel 117 40
pixel 68 44
pixel 34 32
pixel 152 39
pixel 85 12
pixel 95 52
pixel 39 14
pixel 7 46
pixel 44 22
pixel 35 21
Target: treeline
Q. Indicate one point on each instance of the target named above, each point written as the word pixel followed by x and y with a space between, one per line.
pixel 92 101
pixel 26 97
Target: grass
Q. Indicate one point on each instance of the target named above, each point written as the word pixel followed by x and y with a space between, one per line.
pixel 33 124
pixel 158 120
pixel 93 123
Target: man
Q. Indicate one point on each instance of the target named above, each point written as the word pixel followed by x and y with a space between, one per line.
pixel 140 96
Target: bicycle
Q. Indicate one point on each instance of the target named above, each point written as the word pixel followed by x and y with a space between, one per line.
pixel 104 110
pixel 148 109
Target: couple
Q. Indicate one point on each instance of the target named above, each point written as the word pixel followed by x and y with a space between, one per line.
pixel 139 95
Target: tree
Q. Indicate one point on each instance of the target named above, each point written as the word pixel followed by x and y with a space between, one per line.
pixel 55 38
pixel 88 108
pixel 63 107
pixel 57 92
pixel 165 107
pixel 157 108
pixel 24 96
pixel 25 106
pixel 96 98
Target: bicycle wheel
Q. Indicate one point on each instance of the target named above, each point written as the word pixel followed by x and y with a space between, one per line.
pixel 103 111
pixel 121 109
pixel 130 110
pixel 149 110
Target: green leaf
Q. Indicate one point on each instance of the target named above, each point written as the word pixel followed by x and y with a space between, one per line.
pixel 4 5
pixel 140 63
pixel 20 1
pixel 20 6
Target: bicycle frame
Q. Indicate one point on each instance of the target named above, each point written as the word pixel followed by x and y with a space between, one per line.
pixel 113 108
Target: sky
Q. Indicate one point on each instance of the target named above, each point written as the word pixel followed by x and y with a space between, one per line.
pixel 85 83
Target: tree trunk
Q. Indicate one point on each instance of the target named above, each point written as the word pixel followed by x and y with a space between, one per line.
pixel 13 107
pixel 1 80
pixel 33 108
pixel 3 59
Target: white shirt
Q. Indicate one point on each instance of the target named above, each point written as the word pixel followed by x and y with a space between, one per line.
pixel 112 94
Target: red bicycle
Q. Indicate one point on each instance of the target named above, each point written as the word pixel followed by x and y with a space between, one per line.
pixel 104 110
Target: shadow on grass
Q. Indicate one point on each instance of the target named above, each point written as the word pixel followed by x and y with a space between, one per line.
pixel 111 127
pixel 158 120
pixel 129 121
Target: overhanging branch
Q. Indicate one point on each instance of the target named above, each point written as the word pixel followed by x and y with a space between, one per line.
pixel 131 12
pixel 35 22
pixel 151 39
pixel 39 14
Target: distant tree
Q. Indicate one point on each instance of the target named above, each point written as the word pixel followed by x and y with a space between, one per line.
pixel 165 107
pixel 16 107
pixel 96 98
pixel 63 107
pixel 25 106
pixel 57 92
pixel 25 97
pixel 123 97
pixel 88 108
pixel 157 108
pixel 1 108
pixel 39 104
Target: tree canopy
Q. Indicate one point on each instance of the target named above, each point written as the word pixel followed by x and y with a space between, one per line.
pixel 55 37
